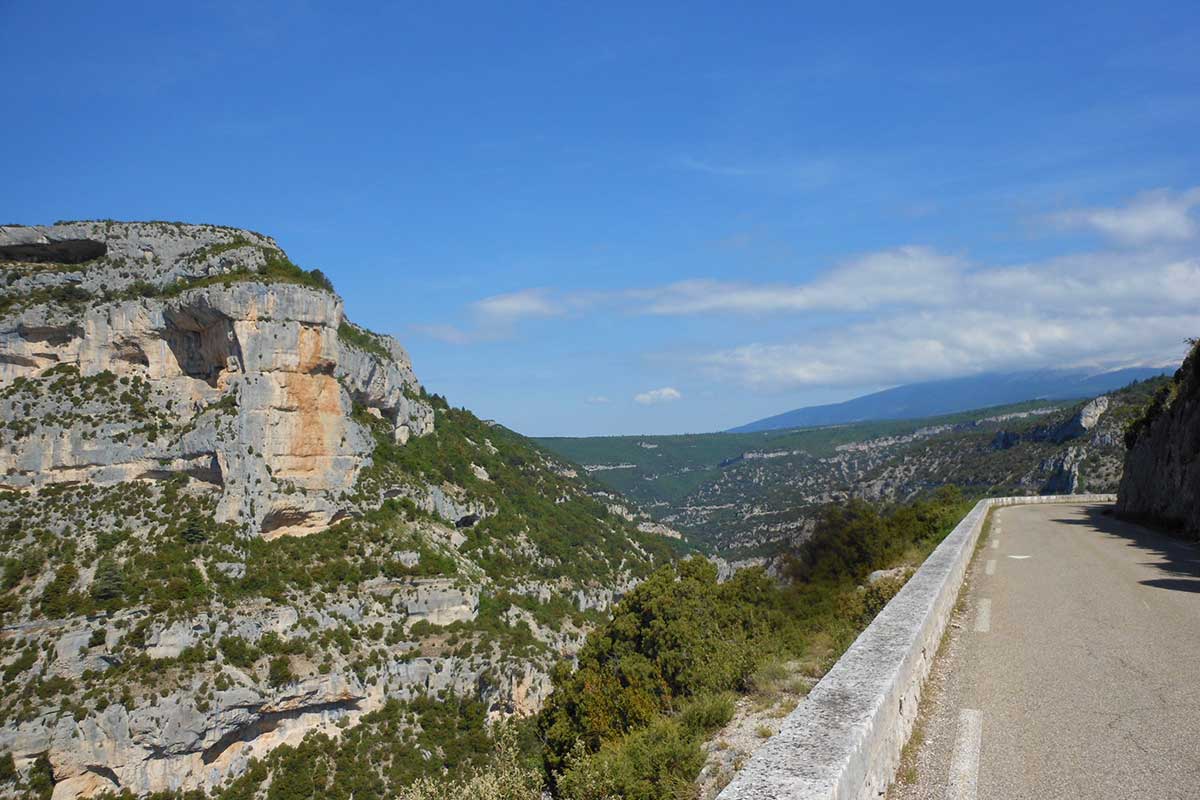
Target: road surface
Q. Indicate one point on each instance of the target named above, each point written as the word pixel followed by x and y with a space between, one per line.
pixel 1072 669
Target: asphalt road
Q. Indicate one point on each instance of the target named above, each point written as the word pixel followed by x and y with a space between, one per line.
pixel 1073 669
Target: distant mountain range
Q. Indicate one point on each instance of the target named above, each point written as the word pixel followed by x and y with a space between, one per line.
pixel 931 398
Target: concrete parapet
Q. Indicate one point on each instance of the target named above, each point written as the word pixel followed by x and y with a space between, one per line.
pixel 844 741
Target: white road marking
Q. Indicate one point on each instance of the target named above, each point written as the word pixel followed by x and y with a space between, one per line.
pixel 990 567
pixel 983 620
pixel 995 544
pixel 964 764
pixel 1018 557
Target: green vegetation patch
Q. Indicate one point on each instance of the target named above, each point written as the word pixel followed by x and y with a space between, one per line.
pixel 624 721
pixel 363 339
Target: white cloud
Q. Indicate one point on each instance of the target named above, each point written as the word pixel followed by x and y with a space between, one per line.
pixel 445 333
pixel 666 394
pixel 914 312
pixel 1089 309
pixel 524 304
pixel 1156 216
pixel 598 400
pixel 910 275
pixel 496 317
pixel 930 345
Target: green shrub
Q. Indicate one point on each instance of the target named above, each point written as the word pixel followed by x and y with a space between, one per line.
pixel 108 584
pixel 280 671
pixel 59 598
pixel 707 713
pixel 505 778
pixel 660 762
pixel 238 651
pixel 26 660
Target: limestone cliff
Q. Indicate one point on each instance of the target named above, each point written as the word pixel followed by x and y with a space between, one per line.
pixel 1161 481
pixel 231 519
pixel 245 384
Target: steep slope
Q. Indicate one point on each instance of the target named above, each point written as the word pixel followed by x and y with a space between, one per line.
pixel 231 519
pixel 1161 480
pixel 934 398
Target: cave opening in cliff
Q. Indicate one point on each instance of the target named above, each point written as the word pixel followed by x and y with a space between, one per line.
pixel 62 251
pixel 203 343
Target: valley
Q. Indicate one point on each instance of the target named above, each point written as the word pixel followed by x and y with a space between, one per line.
pixel 747 494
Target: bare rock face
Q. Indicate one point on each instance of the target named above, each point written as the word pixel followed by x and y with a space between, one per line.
pixel 249 384
pixel 1064 472
pixel 1081 423
pixel 1161 481
pixel 180 740
pixel 440 601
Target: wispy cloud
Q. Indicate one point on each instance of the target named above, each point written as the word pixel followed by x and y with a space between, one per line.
pixel 904 275
pixel 1098 309
pixel 598 400
pixel 924 346
pixel 915 312
pixel 796 173
pixel 496 317
pixel 524 304
pixel 1157 216
pixel 450 334
pixel 666 394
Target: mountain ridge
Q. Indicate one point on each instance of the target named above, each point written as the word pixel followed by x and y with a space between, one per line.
pixel 951 395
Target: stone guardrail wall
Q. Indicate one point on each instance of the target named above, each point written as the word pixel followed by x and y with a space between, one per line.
pixel 844 741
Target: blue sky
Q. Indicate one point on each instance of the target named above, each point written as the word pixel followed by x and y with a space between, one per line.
pixel 595 218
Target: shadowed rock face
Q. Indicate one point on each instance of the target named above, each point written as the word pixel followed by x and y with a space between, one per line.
pixel 63 251
pixel 1161 481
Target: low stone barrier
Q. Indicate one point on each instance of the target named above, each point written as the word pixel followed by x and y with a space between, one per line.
pixel 844 741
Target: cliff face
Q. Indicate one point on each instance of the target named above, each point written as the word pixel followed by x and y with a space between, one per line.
pixel 250 386
pixel 1161 481
pixel 229 518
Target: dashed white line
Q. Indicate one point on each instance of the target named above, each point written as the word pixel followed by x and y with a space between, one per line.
pixel 1018 558
pixel 964 764
pixel 995 544
pixel 983 620
pixel 990 567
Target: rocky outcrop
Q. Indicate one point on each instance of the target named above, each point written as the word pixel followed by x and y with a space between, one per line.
pixel 1161 480
pixel 441 601
pixel 1078 425
pixel 1075 427
pixel 247 384
pixel 1063 470
pixel 179 741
